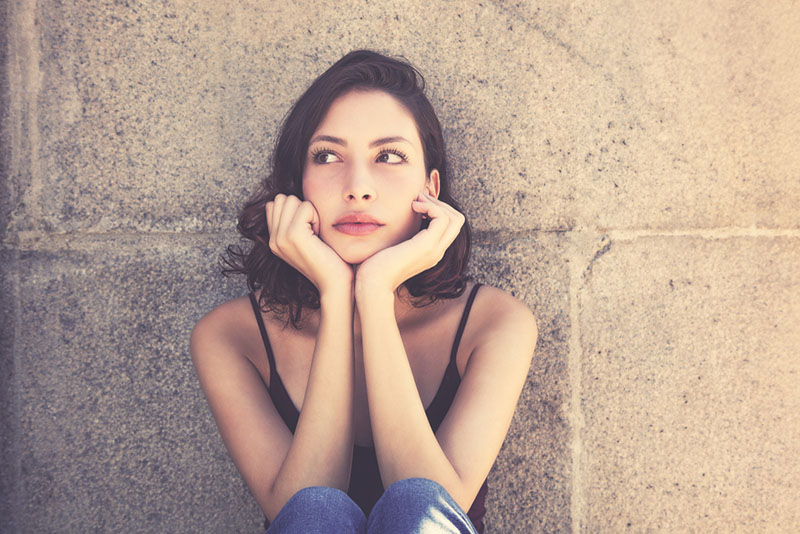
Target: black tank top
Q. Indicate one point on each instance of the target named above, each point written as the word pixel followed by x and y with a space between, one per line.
pixel 365 478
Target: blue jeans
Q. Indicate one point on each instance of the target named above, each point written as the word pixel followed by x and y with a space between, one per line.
pixel 410 506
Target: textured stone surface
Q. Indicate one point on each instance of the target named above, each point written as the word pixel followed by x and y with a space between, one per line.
pixel 690 393
pixel 114 433
pixel 113 428
pixel 529 485
pixel 132 131
pixel 160 116
pixel 5 125
pixel 658 114
pixel 9 453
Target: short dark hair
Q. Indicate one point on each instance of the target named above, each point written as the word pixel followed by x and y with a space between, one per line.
pixel 284 289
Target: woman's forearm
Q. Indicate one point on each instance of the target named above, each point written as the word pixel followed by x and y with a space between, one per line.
pixel 322 447
pixel 404 441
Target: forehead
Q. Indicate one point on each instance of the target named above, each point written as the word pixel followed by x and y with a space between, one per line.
pixel 362 116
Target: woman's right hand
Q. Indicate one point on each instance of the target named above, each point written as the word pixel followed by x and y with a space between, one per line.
pixel 294 237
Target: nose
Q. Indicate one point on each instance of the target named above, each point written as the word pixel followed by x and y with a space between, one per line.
pixel 359 186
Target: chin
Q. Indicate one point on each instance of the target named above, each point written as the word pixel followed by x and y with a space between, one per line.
pixel 354 257
pixel 355 253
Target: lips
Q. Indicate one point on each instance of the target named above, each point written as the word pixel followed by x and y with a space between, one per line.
pixel 357 224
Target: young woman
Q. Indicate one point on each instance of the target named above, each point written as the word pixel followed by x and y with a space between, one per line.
pixel 364 376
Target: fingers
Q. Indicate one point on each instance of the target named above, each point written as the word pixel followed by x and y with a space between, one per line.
pixel 446 221
pixel 274 210
pixel 314 219
pixel 290 219
pixel 305 217
pixel 279 215
pixel 287 213
pixel 434 207
pixel 445 224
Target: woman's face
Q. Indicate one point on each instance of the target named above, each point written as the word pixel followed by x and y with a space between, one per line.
pixel 364 167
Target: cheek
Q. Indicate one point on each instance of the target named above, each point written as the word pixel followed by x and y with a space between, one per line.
pixel 320 192
pixel 308 186
pixel 316 190
pixel 412 221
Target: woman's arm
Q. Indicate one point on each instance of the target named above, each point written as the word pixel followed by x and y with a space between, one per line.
pixel 460 455
pixel 463 450
pixel 321 452
pixel 274 463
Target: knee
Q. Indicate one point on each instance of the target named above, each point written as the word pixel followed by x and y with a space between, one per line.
pixel 317 508
pixel 416 489
pixel 417 495
pixel 319 497
pixel 417 504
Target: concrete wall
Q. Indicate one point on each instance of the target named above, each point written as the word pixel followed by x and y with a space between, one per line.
pixel 629 168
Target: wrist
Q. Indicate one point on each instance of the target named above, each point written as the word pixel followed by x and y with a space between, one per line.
pixel 372 282
pixel 336 296
pixel 338 285
pixel 372 290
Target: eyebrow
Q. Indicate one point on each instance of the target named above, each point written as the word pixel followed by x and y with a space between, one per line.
pixel 342 142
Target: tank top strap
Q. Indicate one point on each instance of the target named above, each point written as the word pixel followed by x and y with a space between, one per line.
pixel 463 323
pixel 277 391
pixel 450 381
pixel 264 338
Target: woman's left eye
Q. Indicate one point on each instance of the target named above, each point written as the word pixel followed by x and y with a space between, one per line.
pixel 324 156
pixel 392 156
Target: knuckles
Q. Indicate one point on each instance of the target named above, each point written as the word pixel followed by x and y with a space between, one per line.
pixel 281 239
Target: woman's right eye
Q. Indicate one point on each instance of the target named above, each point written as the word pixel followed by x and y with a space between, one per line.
pixel 324 156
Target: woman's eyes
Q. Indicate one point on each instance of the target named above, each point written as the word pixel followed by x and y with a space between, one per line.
pixel 324 156
pixel 391 156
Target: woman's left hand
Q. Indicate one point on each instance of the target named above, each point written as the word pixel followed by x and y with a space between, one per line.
pixel 388 269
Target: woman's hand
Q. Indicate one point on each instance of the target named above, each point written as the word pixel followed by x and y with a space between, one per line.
pixel 294 237
pixel 389 268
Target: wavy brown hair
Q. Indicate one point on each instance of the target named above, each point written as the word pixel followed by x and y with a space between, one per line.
pixel 284 290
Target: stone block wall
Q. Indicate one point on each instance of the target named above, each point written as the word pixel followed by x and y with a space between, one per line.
pixel 629 170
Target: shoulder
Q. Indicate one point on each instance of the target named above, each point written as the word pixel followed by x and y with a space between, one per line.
pixel 225 331
pixel 502 322
pixel 497 307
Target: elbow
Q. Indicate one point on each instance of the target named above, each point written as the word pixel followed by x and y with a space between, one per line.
pixel 465 496
pixel 270 503
pixel 464 504
pixel 274 497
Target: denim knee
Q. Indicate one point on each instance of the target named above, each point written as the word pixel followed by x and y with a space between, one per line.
pixel 418 505
pixel 319 509
pixel 410 490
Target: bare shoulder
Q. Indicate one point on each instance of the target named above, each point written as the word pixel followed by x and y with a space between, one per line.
pixel 502 320
pixel 497 307
pixel 225 331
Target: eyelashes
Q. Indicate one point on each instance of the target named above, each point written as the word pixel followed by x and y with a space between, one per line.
pixel 385 151
pixel 318 153
pixel 320 156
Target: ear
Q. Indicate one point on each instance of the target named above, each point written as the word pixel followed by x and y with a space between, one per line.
pixel 432 184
